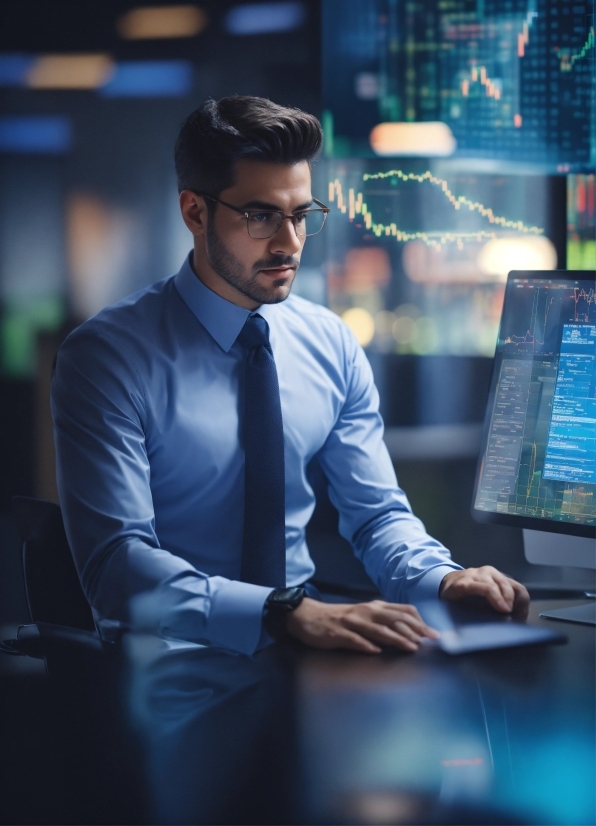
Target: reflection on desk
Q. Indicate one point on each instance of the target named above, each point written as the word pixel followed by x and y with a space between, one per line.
pixel 301 736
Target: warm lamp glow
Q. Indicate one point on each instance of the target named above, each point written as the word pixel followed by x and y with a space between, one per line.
pixel 432 139
pixel 501 255
pixel 361 323
pixel 159 22
pixel 73 71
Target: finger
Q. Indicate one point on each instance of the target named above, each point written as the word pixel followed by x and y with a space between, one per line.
pixel 494 596
pixel 402 608
pixel 356 642
pixel 409 615
pixel 507 592
pixel 406 631
pixel 382 634
pixel 391 617
pixel 521 604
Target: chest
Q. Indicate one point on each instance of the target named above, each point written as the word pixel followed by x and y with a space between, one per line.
pixel 195 408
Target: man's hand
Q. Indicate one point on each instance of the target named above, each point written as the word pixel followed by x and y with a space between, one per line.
pixel 502 593
pixel 362 627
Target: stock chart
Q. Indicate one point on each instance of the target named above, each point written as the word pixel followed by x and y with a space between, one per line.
pixel 512 79
pixel 417 257
pixel 541 446
pixel 581 223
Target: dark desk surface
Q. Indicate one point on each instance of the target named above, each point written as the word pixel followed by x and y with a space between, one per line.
pixel 509 731
pixel 294 735
pixel 297 735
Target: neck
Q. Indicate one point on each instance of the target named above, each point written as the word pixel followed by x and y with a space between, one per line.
pixel 211 279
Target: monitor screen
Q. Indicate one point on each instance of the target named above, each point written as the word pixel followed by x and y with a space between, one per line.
pixel 507 81
pixel 537 466
pixel 417 253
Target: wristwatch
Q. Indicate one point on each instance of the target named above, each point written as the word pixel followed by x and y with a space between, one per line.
pixel 279 604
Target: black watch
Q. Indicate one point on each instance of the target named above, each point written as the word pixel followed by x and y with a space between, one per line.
pixel 279 604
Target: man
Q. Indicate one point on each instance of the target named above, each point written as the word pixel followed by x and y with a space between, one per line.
pixel 186 415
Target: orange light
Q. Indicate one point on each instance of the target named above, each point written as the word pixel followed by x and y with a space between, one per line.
pixel 431 139
pixel 161 22
pixel 70 71
pixel 520 45
pixel 517 121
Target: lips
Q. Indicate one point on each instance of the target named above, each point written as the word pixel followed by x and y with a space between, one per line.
pixel 279 272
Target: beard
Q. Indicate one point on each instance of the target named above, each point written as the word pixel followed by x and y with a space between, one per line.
pixel 232 270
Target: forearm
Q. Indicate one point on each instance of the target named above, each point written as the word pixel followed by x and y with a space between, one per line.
pixel 405 563
pixel 153 590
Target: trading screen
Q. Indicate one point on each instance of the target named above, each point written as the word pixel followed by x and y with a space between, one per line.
pixel 540 454
pixel 418 255
pixel 512 79
pixel 581 213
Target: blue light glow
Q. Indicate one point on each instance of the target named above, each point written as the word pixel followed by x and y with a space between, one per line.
pixel 265 18
pixel 35 133
pixel 14 68
pixel 150 78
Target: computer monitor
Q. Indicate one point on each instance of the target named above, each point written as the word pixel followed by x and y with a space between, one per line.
pixel 537 464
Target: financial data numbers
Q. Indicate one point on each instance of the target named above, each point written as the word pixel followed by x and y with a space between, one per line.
pixel 513 80
pixel 541 444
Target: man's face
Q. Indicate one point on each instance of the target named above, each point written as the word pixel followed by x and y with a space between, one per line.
pixel 246 270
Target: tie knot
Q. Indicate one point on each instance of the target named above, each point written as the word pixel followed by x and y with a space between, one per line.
pixel 254 332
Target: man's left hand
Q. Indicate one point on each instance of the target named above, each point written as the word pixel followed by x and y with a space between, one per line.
pixel 501 592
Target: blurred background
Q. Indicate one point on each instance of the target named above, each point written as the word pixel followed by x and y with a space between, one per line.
pixel 459 144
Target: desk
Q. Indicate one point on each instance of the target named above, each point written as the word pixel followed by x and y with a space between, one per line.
pixel 296 735
pixel 508 732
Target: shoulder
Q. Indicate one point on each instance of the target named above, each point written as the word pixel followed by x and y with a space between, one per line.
pixel 134 321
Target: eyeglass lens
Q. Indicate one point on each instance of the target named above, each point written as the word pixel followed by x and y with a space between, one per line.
pixel 265 224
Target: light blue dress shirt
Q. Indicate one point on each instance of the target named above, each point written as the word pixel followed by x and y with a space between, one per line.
pixel 147 401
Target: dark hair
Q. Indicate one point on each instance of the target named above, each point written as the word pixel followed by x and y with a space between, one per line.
pixel 221 132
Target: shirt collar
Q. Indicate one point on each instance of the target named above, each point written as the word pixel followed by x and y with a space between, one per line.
pixel 222 319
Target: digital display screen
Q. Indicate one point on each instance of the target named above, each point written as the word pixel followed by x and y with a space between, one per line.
pixel 539 455
pixel 417 256
pixel 512 80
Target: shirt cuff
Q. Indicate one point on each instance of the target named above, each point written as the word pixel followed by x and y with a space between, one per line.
pixel 428 585
pixel 236 616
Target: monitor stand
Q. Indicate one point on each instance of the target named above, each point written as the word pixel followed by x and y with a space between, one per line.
pixel 546 548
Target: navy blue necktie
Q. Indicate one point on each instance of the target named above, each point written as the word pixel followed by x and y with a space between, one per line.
pixel 264 540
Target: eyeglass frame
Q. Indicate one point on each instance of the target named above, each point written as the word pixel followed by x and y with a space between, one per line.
pixel 321 208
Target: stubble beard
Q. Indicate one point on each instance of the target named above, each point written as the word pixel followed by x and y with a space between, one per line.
pixel 233 271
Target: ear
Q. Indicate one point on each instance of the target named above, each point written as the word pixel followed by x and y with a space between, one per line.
pixel 194 211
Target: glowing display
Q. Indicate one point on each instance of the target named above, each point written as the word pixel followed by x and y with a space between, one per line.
pixel 540 452
pixel 425 252
pixel 581 223
pixel 513 80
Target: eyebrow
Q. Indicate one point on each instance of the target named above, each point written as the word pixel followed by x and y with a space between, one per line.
pixel 266 205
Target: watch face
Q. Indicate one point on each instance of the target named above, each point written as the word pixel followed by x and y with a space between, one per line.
pixel 287 598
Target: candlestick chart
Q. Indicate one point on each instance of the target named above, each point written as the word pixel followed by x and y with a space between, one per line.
pixel 513 79
pixel 425 251
pixel 532 325
pixel 581 222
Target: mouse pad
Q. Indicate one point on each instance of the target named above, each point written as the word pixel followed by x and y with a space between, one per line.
pixel 473 627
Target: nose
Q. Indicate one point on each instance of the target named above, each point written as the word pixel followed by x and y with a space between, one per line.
pixel 285 240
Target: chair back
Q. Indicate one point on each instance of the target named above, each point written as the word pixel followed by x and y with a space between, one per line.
pixel 54 593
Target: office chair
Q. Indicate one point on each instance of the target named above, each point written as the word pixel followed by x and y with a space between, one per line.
pixel 61 618
pixel 54 593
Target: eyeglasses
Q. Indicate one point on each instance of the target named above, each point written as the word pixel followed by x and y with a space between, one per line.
pixel 264 223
